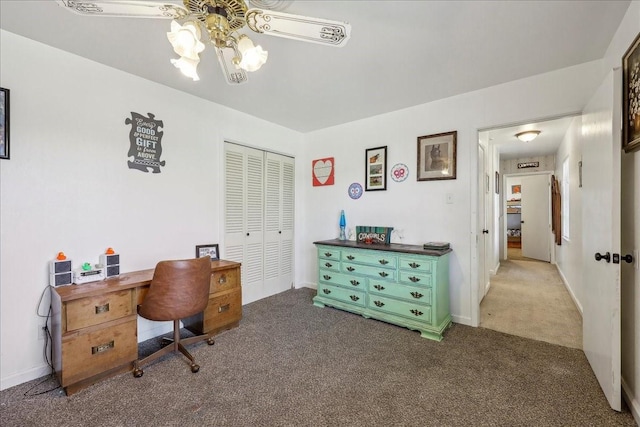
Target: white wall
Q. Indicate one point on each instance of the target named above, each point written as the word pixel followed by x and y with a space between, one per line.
pixel 569 253
pixel 67 186
pixel 419 209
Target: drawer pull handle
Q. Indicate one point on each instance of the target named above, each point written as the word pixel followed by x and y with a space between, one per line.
pixel 223 308
pixel 328 264
pixel 355 282
pixel 378 303
pixel 102 308
pixel 416 295
pixel 102 348
pixel 350 268
pixel 326 277
pixel 383 274
pixel 326 291
pixel 383 261
pixel 354 298
pixel 350 257
pixel 328 254
pixel 379 287
pixel 414 279
pixel 414 265
pixel 222 279
pixel 416 312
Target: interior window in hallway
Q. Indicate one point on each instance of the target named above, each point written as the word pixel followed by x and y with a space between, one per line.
pixel 527 298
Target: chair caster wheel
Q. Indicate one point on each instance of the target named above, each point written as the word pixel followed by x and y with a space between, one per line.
pixel 195 368
pixel 211 341
pixel 138 372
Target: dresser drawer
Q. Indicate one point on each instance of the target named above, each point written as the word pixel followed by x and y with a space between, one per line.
pixel 99 309
pixel 329 253
pixel 329 264
pixel 223 280
pixel 351 296
pixel 418 312
pixel 343 279
pixel 368 270
pixel 420 265
pixel 88 354
pixel 371 258
pixel 412 278
pixel 408 293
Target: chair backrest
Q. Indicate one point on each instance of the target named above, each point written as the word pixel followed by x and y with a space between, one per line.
pixel 178 289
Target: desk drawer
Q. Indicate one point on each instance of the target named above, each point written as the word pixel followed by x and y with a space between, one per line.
pixel 223 310
pixel 99 309
pixel 223 280
pixel 85 355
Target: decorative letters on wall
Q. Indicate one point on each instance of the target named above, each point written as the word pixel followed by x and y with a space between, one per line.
pixel 146 143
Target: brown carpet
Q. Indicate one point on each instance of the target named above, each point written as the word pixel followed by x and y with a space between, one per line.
pixel 292 364
pixel 527 298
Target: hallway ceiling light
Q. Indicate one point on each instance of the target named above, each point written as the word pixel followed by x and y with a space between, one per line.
pixel 528 135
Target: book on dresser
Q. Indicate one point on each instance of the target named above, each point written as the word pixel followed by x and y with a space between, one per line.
pixel 406 285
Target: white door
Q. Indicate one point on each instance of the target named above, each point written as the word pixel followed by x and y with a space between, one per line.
pixel 483 189
pixel 243 219
pixel 279 208
pixel 601 235
pixel 536 217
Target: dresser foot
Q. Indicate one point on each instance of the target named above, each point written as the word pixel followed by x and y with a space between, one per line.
pixel 211 341
pixel 137 372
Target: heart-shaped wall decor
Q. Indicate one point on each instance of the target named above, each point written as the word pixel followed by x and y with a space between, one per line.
pixel 323 171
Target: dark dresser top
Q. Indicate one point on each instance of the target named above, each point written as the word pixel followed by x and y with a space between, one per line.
pixel 394 247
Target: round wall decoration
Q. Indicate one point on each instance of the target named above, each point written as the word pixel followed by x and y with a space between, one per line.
pixel 355 190
pixel 399 172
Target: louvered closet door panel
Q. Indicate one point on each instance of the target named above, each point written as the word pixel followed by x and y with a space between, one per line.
pixel 244 231
pixel 279 191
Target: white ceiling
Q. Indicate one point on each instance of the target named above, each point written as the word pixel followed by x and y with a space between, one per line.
pixel 401 53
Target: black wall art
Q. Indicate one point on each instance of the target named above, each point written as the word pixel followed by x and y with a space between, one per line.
pixel 146 142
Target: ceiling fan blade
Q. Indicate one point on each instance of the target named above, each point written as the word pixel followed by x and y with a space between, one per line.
pixel 232 74
pixel 314 30
pixel 125 9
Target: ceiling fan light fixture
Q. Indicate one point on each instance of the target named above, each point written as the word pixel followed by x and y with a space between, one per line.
pixel 528 135
pixel 253 57
pixel 187 66
pixel 185 39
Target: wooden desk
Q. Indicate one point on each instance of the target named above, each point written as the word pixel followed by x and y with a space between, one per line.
pixel 94 326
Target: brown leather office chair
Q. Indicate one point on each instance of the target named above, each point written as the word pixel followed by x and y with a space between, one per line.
pixel 178 289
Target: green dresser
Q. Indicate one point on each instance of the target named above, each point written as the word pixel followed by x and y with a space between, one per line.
pixel 400 284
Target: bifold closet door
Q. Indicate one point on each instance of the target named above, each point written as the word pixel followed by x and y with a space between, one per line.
pixel 243 217
pixel 259 215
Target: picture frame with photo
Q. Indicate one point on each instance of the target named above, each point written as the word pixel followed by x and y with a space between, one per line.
pixel 210 250
pixel 376 169
pixel 437 156
pixel 631 97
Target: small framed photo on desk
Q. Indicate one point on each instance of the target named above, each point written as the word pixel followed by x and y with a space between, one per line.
pixel 208 250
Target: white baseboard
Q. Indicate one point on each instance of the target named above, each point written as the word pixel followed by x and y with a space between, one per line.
pixel 566 285
pixel 23 377
pixel 632 401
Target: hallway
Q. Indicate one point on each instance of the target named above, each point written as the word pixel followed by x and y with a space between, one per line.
pixel 527 298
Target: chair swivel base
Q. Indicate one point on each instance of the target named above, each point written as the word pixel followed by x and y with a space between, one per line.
pixel 177 345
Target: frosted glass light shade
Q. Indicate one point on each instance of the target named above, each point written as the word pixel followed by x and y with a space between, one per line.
pixel 528 135
pixel 185 39
pixel 253 57
pixel 187 66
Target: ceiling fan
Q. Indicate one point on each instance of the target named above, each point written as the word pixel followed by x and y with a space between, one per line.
pixel 221 20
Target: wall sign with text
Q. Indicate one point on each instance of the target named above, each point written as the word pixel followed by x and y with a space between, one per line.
pixel 145 138
pixel 526 165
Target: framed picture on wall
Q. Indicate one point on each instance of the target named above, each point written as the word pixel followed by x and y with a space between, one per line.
pixel 210 250
pixel 437 156
pixel 4 123
pixel 376 169
pixel 631 97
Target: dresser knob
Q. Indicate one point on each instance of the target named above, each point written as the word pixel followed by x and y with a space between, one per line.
pixel 414 279
pixel 355 282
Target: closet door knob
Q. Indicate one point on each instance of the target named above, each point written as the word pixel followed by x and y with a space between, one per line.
pixel 606 257
pixel 628 258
